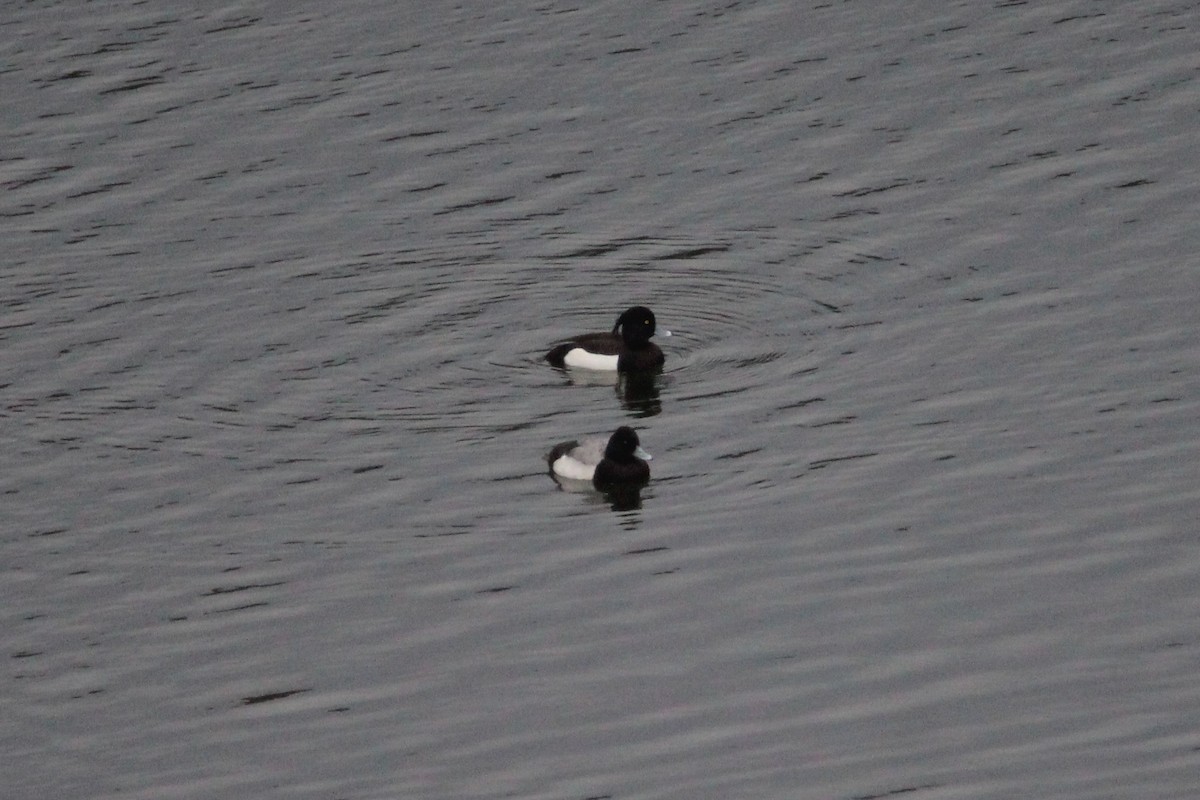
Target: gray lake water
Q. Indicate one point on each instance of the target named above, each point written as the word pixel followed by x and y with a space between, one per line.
pixel 277 280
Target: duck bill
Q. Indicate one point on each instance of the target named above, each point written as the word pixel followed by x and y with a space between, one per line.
pixel 642 454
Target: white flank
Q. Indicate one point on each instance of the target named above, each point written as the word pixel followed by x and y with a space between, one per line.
pixel 568 467
pixel 582 359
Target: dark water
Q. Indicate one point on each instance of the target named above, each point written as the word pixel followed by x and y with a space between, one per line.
pixel 277 282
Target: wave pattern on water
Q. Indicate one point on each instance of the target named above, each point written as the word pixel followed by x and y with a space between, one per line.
pixel 278 283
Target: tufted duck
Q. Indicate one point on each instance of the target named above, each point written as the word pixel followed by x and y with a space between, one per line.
pixel 629 351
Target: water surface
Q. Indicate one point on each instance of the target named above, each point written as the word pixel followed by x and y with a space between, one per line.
pixel 278 282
